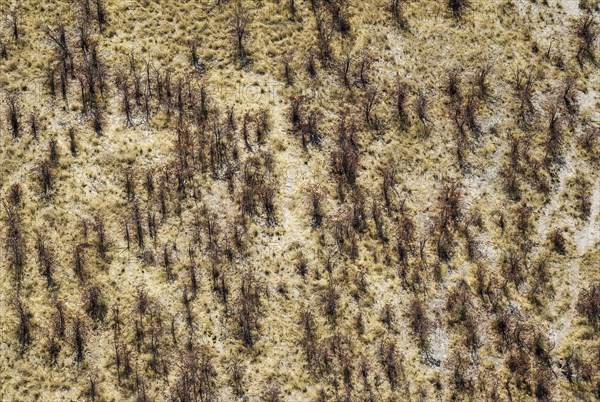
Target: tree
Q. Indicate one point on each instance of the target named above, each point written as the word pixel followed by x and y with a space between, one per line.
pixel 247 308
pixel 15 243
pixel 586 32
pixel 46 258
pixel 79 332
pixel 13 115
pixel 457 7
pixel 239 25
pixel 24 323
pixel 588 305
pixel 396 9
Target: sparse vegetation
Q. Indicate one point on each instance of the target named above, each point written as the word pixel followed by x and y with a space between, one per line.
pixel 330 200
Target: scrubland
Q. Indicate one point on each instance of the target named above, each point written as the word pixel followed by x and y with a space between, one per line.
pixel 316 200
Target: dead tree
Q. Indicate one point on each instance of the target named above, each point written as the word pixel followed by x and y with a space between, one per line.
pixel 93 302
pixel 421 106
pixel 555 137
pixel 167 263
pixel 65 57
pixel 316 200
pixel 288 72
pixel 525 96
pixel 586 32
pixel 72 142
pixel 402 91
pixel 369 102
pixel 196 379
pixel 3 50
pixel 15 243
pixel 457 7
pixel 98 120
pixel 79 261
pixel 344 160
pixel 325 32
pixel 46 177
pixel 15 195
pixel 588 305
pixel 102 244
pixel 59 320
pixel 310 132
pixel 34 125
pixel 79 334
pixel 100 13
pixel 568 95
pixel 344 68
pixel 330 299
pixel 311 63
pixel 13 115
pixel 470 111
pixel 420 325
pixel 263 125
pixel 46 260
pixel 237 375
pixel 239 26
pixel 138 225
pixel 391 362
pixel 24 326
pixel 129 183
pixel 14 25
pixel 388 182
pixel 396 9
pixel 247 308
pixel 452 86
pixel 53 151
pixel 195 59
pixel 481 80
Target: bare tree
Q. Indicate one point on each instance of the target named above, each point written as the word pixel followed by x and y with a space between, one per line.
pixel 46 177
pixel 247 308
pixel 24 326
pixel 588 305
pixel 46 259
pixel 13 115
pixel 239 26
pixel 587 31
pixel 102 244
pixel 457 7
pixel 15 243
pixel 79 333
pixel 396 8
pixel 14 24
pixel 93 302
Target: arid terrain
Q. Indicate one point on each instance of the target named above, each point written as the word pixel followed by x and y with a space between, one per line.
pixel 300 200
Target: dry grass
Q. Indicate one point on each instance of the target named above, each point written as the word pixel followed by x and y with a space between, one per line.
pixel 346 251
